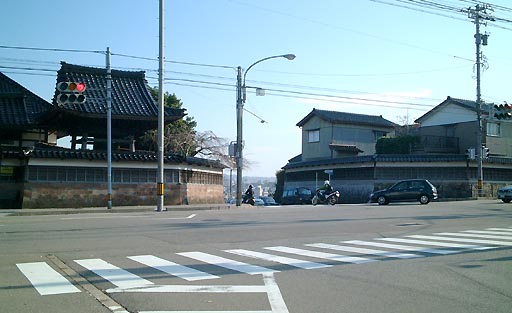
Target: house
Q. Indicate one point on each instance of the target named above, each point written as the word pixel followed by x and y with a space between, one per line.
pixel 36 173
pixel 456 118
pixel 341 147
pixel 330 134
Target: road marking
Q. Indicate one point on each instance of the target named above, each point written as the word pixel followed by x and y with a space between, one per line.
pixel 475 236
pixel 205 312
pixel 190 289
pixel 398 247
pixel 172 268
pixel 486 242
pixel 365 251
pixel 270 287
pixel 45 279
pixel 181 218
pixel 322 255
pixel 117 276
pixel 227 263
pixel 113 215
pixel 437 243
pixel 502 229
pixel 279 259
pixel 486 232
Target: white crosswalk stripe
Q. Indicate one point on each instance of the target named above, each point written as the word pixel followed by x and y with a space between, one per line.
pixel 389 254
pixel 48 281
pixel 437 243
pixel 475 235
pixel 117 276
pixel 399 247
pixel 227 263
pixel 279 259
pixel 469 240
pixel 172 268
pixel 321 255
pixel 501 229
pixel 45 279
pixel 488 232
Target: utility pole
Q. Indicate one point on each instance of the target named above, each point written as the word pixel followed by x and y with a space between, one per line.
pixel 160 173
pixel 239 142
pixel 479 13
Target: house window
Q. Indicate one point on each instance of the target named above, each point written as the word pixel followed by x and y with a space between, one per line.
pixel 493 129
pixel 379 134
pixel 314 135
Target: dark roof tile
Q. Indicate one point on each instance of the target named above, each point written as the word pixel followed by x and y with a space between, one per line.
pixel 347 118
pixel 19 107
pixel 130 94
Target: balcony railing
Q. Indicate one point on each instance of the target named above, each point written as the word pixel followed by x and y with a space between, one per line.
pixel 437 144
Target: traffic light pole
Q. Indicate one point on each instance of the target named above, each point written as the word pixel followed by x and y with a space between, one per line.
pixel 109 130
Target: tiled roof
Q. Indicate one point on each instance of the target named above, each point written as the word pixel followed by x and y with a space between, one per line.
pixel 389 158
pixel 347 118
pixel 19 107
pixel 130 95
pixel 50 152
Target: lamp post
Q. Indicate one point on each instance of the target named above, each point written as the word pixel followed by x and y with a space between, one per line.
pixel 241 96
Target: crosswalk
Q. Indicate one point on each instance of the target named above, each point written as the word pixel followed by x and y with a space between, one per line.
pixel 309 256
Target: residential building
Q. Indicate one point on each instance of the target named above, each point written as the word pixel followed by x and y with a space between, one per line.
pixel 341 147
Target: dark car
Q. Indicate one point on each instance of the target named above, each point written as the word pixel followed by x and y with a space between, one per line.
pixel 406 190
pixel 299 195
pixel 505 193
pixel 269 201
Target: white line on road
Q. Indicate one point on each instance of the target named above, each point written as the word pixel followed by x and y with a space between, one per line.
pixel 45 279
pixel 398 247
pixel 227 263
pixel 365 251
pixel 117 276
pixel 205 312
pixel 322 255
pixel 113 215
pixel 279 259
pixel 475 235
pixel 172 268
pixel 191 289
pixel 482 241
pixel 502 229
pixel 438 244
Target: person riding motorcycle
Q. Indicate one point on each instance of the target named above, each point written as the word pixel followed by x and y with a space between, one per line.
pixel 324 190
pixel 249 195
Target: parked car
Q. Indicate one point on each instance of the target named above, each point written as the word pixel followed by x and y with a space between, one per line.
pixel 269 201
pixel 505 193
pixel 258 202
pixel 406 190
pixel 299 195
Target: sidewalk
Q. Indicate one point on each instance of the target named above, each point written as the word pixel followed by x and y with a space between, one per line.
pixel 119 209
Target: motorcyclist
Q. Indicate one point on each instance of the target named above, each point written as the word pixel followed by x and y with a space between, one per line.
pixel 249 194
pixel 324 190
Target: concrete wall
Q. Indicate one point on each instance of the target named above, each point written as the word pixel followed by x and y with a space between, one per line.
pixel 77 195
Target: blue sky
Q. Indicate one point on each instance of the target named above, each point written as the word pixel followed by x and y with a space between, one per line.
pixel 349 54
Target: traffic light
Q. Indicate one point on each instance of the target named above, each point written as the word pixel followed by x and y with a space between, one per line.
pixel 70 92
pixel 503 111
pixel 485 152
pixel 470 153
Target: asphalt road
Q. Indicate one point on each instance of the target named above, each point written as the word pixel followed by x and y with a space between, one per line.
pixel 291 259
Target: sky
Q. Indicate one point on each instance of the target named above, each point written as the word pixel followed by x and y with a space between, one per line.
pixel 370 57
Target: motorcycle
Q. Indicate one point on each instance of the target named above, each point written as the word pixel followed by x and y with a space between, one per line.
pixel 248 199
pixel 331 198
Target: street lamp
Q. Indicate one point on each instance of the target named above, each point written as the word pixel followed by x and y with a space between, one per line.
pixel 240 100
